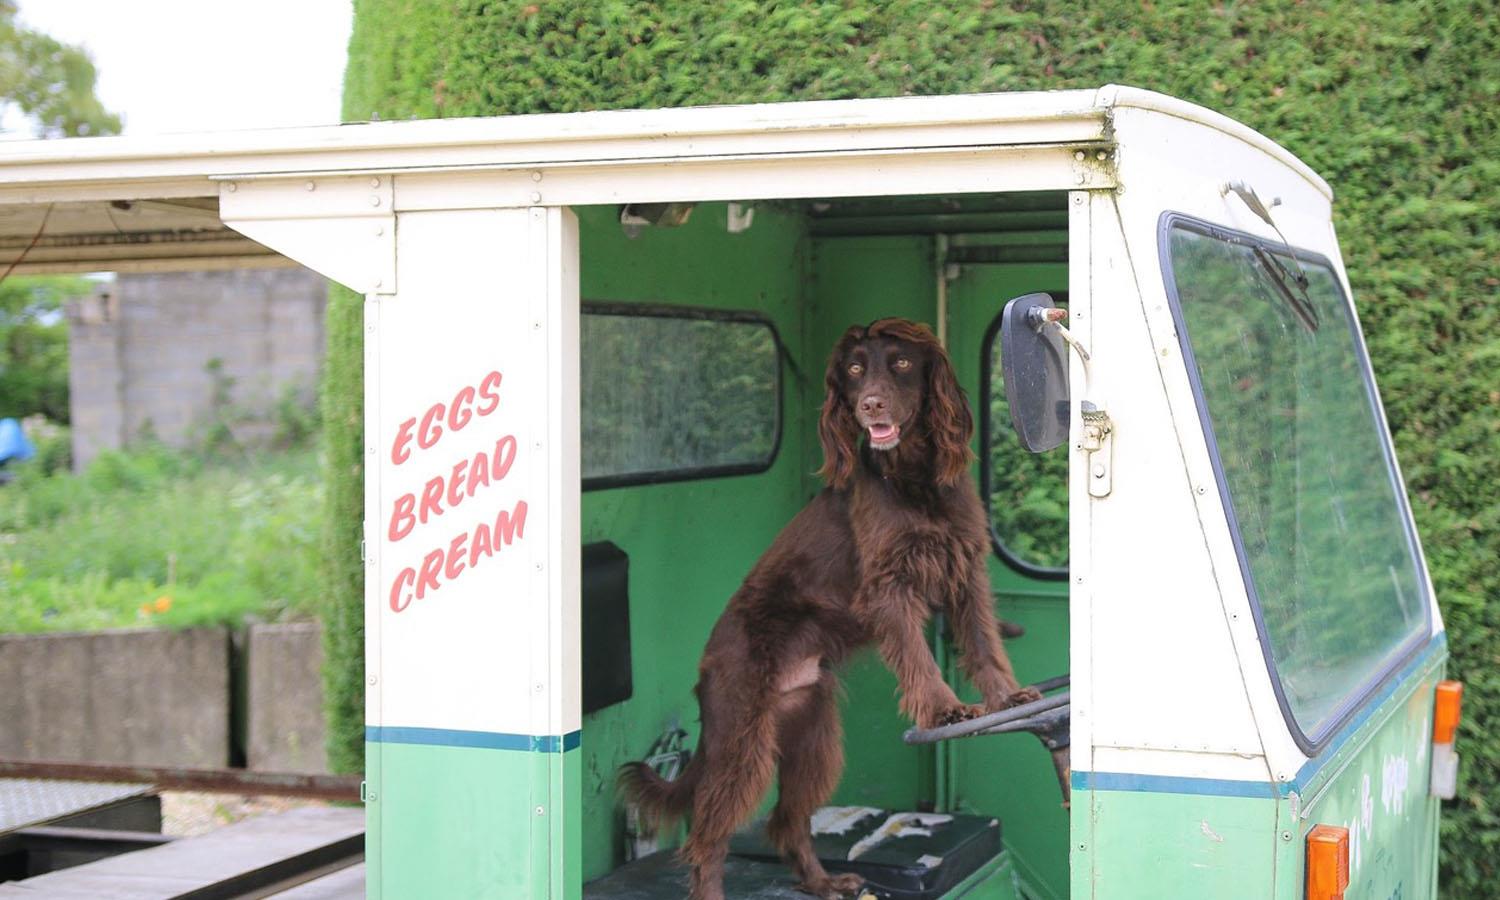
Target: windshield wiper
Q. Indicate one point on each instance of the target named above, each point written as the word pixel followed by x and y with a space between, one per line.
pixel 1283 279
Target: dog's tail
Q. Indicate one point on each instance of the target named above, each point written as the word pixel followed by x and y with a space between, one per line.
pixel 661 802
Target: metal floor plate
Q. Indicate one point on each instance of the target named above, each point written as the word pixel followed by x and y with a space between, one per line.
pixel 25 802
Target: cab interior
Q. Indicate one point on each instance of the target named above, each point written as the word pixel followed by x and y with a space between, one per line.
pixel 706 329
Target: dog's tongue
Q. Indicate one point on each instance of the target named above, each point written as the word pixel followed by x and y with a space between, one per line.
pixel 882 433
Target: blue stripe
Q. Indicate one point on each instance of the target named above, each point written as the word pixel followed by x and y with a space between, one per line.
pixel 1221 787
pixel 1170 784
pixel 484 740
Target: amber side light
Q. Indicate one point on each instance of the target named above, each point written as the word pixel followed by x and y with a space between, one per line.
pixel 1447 711
pixel 1327 862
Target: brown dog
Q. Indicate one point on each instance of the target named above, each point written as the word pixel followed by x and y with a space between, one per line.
pixel 898 534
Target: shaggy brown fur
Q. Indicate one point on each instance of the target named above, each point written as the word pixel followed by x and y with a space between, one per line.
pixel 898 534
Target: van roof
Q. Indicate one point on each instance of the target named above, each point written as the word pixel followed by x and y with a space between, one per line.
pixel 149 202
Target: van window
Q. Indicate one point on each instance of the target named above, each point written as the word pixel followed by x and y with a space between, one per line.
pixel 1026 493
pixel 669 394
pixel 1318 514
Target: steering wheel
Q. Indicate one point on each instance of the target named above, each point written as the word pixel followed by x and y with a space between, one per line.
pixel 1046 718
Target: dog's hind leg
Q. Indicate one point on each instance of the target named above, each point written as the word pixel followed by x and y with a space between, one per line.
pixel 811 746
pixel 738 765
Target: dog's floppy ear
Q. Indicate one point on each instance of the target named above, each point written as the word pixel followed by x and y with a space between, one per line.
pixel 949 418
pixel 837 430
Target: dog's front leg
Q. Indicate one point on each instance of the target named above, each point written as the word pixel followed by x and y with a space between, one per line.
pixel 981 653
pixel 896 616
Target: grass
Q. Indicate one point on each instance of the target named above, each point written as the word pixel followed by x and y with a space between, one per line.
pixel 156 537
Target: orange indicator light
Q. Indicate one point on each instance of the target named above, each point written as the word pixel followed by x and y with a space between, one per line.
pixel 1327 862
pixel 1446 711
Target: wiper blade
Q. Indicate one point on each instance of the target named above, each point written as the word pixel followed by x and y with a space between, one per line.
pixel 1282 279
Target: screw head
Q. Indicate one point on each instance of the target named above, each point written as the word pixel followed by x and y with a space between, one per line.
pixel 536 197
pixel 374 200
pixel 1078 155
pixel 311 185
pixel 536 176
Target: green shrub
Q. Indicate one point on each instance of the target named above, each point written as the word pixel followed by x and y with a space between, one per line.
pixel 1397 105
pixel 159 537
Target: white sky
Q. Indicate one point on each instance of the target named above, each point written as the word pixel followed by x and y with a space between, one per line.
pixel 205 65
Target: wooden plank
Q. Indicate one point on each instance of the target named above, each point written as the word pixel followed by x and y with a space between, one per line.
pixel 345 884
pixel 231 862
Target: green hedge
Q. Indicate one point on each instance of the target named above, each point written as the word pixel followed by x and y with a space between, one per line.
pixel 1396 104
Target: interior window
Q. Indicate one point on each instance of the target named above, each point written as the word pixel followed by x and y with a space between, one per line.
pixel 669 394
pixel 1027 493
pixel 1319 518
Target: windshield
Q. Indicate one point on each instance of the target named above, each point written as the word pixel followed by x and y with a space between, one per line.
pixel 1322 531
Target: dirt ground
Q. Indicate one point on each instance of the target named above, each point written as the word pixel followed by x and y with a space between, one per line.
pixel 184 814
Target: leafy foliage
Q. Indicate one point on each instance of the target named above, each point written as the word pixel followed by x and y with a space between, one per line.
pixel 51 82
pixel 171 540
pixel 1397 105
pixel 34 345
pixel 343 579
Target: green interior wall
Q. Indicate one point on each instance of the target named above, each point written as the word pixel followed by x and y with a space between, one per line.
pixel 691 543
pixel 1011 776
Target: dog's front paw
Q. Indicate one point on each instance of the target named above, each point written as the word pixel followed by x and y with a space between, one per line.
pixel 834 887
pixel 1024 695
pixel 952 715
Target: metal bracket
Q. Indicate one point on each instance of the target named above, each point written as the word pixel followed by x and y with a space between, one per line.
pixel 343 227
pixel 1099 444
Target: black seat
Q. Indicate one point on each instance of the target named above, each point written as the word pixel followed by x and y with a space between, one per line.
pixel 901 856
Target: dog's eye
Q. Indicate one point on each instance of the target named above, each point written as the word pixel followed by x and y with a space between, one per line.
pixel 902 364
pixel 856 369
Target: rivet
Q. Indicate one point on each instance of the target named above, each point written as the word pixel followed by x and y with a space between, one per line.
pixel 379 230
pixel 1083 846
pixel 378 282
pixel 374 200
pixel 536 176
pixel 1098 470
pixel 231 187
pixel 1078 155
pixel 1286 835
pixel 372 679
pixel 1078 580
pixel 1101 156
pixel 536 197
pixel 538 688
pixel 540 811
pixel 1202 489
pixel 371 449
pixel 374 182
pixel 1165 352
pixel 1082 178
pixel 311 185
pixel 1078 201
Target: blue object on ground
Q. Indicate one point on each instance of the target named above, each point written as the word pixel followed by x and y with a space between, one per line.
pixel 13 442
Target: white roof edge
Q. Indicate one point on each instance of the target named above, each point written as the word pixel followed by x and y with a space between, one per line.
pixel 1113 96
pixel 595 125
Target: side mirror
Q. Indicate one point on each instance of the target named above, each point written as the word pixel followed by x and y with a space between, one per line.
pixel 1035 365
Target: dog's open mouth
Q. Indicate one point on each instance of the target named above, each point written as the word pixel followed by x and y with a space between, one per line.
pixel 884 436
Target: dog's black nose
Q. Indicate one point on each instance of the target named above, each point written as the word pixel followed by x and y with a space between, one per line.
pixel 871 404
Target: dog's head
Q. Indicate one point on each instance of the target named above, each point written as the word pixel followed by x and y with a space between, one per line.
pixel 887 382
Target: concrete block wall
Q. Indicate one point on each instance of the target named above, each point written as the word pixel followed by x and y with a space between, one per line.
pixel 135 696
pixel 139 354
pixel 165 698
pixel 284 698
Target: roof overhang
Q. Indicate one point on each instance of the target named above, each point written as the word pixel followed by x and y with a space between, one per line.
pixel 152 203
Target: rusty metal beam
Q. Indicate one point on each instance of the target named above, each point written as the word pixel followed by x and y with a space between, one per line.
pixel 212 781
